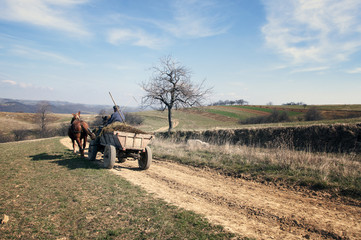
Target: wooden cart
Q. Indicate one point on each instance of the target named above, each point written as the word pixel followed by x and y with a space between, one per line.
pixel 122 145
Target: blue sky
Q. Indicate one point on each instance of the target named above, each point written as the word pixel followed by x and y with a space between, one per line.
pixel 275 51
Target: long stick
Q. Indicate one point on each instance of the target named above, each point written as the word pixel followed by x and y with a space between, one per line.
pixel 117 108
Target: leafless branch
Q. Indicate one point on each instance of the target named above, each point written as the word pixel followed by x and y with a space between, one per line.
pixel 170 87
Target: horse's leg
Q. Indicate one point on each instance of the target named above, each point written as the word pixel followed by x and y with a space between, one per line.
pixel 82 148
pixel 73 141
pixel 84 144
pixel 78 141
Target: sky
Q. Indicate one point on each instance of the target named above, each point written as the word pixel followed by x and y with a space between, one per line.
pixel 262 51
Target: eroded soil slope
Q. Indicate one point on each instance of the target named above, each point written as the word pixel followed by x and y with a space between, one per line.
pixel 251 209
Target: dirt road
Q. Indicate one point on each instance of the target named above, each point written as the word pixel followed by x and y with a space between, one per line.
pixel 162 129
pixel 251 209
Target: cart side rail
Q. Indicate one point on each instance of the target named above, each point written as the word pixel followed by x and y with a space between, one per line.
pixel 125 140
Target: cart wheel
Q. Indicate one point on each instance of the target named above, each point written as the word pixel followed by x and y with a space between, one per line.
pixel 92 151
pixel 109 156
pixel 145 159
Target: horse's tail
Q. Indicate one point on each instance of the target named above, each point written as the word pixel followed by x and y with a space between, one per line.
pixel 88 131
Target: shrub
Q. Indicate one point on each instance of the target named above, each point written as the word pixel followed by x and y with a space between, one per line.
pixel 22 134
pixel 6 138
pixel 62 130
pixel 133 119
pixel 99 119
pixel 313 114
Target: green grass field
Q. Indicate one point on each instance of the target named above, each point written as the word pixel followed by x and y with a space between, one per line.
pixel 269 110
pixel 212 117
pixel 49 193
pixel 230 112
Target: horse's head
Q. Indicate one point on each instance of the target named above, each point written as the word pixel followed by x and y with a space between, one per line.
pixel 76 116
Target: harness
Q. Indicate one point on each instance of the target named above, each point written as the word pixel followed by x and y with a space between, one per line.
pixel 72 126
pixel 75 131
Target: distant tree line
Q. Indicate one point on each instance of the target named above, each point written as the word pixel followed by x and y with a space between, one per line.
pixel 295 103
pixel 230 102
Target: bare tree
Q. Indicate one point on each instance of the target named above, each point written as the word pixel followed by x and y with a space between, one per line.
pixel 170 87
pixel 43 110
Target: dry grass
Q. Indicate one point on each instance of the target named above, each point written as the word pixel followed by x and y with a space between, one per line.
pixel 25 126
pixel 336 172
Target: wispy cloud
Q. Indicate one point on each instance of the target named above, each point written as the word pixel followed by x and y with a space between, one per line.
pixel 25 85
pixel 278 67
pixel 136 37
pixel 354 71
pixel 312 69
pixel 196 19
pixel 11 82
pixel 52 14
pixel 188 19
pixel 313 31
pixel 44 55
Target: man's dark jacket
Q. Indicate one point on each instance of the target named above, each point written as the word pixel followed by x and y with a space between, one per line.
pixel 115 117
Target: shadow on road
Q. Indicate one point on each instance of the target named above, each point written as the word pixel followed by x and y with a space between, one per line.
pixel 45 156
pixel 66 159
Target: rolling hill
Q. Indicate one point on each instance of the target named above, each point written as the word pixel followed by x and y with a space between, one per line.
pixel 29 106
pixel 202 118
pixel 211 117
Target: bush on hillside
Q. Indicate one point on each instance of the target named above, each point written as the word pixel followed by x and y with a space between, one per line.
pixel 23 134
pixel 62 130
pixel 274 117
pixel 6 138
pixel 313 115
pixel 133 119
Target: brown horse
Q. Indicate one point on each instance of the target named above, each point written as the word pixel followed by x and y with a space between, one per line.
pixel 78 132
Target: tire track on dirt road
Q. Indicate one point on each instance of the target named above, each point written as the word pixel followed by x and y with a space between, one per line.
pixel 251 209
